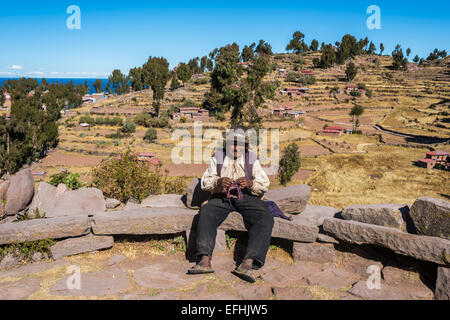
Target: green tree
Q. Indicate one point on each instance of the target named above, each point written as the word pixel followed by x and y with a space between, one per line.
pixel 416 59
pixel 328 57
pixel 264 48
pixel 314 45
pixel 297 43
pixel 174 84
pixel 381 48
pixel 204 63
pixel 351 71
pixel 98 85
pixel 194 65
pixel 184 73
pixel 408 52
pixel 372 48
pixel 289 163
pixel 400 62
pixel 119 82
pixel 136 79
pixel 248 53
pixel 156 74
pixel 223 79
pixel 348 48
pixel 355 113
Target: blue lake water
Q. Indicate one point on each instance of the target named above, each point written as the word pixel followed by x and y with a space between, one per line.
pixel 90 82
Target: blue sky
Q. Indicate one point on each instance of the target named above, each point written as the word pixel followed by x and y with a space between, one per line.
pixel 122 34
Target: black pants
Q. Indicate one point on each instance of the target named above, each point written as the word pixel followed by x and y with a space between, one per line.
pixel 257 218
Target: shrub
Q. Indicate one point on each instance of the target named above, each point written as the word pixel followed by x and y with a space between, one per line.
pixel 68 178
pixel 126 177
pixel 289 163
pixel 86 119
pixel 26 250
pixel 201 81
pixel 129 127
pixel 151 135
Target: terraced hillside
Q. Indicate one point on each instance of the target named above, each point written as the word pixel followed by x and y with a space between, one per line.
pixel 405 109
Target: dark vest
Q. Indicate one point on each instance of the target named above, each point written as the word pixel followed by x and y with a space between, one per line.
pixel 250 158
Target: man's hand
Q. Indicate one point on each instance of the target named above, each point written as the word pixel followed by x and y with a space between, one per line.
pixel 244 182
pixel 224 183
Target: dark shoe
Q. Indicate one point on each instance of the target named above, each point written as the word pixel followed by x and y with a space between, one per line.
pixel 244 274
pixel 200 269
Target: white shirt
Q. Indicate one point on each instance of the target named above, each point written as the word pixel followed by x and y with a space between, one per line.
pixel 235 169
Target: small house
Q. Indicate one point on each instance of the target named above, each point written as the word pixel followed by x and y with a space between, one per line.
pixel 330 133
pixel 294 114
pixel 84 125
pixel 426 163
pixel 307 72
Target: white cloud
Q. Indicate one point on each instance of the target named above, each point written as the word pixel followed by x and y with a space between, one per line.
pixel 38 73
pixel 16 67
pixel 7 74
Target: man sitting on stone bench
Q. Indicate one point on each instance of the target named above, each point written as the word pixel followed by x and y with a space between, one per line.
pixel 237 183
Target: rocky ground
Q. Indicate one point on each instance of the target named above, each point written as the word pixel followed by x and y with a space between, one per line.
pixel 141 271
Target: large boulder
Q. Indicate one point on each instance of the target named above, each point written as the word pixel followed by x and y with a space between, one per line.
pixel 20 192
pixel 388 215
pixel 431 217
pixel 291 200
pixel 195 195
pixel 420 247
pixel 56 202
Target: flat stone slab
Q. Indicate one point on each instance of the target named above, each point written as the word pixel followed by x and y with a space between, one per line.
pixel 386 292
pixel 163 201
pixel 73 246
pixel 388 215
pixel 290 230
pixel 32 268
pixel 292 294
pixel 160 276
pixel 252 292
pixel 332 278
pixel 116 260
pixel 292 199
pixel 420 247
pixel 315 252
pixel 431 217
pixel 143 221
pixel 38 229
pixel 19 290
pixel 100 283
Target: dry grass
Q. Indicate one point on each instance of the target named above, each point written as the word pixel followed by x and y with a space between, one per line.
pixel 384 175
